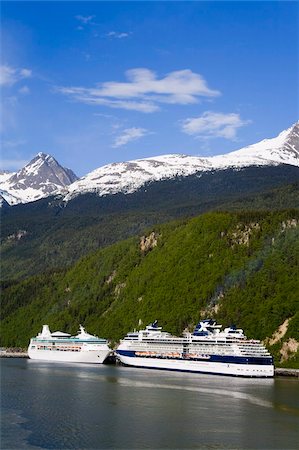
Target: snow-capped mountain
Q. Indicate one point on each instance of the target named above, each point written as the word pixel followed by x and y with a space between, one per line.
pixel 41 177
pixel 129 176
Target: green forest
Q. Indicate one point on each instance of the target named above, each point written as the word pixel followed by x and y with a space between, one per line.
pixel 236 267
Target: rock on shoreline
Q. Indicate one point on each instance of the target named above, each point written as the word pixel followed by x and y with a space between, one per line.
pixel 280 372
pixel 13 353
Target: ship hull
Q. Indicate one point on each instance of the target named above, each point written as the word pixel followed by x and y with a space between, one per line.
pixel 89 357
pixel 208 367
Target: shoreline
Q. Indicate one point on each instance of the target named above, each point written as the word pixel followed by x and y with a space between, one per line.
pixel 278 371
pixel 14 355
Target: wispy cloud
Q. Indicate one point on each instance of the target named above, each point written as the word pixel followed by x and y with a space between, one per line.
pixel 24 90
pixel 12 164
pixel 212 125
pixel 85 20
pixel 128 135
pixel 144 91
pixel 8 107
pixel 118 35
pixel 13 143
pixel 11 75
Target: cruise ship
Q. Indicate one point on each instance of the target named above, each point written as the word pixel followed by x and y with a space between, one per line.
pixel 62 347
pixel 207 350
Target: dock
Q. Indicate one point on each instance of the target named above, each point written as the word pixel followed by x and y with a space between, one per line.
pixel 281 372
pixel 8 354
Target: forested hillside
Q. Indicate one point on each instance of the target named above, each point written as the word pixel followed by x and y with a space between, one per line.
pixel 49 233
pixel 238 268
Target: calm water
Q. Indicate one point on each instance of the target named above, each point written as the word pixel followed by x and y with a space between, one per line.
pixel 63 406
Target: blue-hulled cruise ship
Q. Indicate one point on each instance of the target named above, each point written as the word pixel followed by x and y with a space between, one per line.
pixel 208 350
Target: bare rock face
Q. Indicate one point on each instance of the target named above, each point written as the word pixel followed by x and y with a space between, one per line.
pixel 279 333
pixel 147 243
pixel 291 223
pixel 288 349
pixel 241 236
pixel 17 236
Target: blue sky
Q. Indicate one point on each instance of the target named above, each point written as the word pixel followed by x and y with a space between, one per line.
pixel 99 82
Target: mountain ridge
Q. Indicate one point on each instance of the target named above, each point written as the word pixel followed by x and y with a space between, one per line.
pixel 129 176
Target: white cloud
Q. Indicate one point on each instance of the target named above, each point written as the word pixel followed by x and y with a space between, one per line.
pixel 128 135
pixel 85 19
pixel 25 73
pixel 212 124
pixel 10 75
pixel 24 90
pixel 144 91
pixel 117 35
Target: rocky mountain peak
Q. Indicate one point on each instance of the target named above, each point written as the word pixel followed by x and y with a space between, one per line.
pixel 41 177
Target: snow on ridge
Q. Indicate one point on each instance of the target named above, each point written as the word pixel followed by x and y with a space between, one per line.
pixel 4 176
pixel 9 198
pixel 43 176
pixel 129 176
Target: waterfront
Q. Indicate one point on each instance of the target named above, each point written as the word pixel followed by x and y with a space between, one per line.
pixel 48 405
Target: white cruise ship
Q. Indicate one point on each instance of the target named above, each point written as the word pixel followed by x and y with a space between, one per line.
pixel 62 347
pixel 206 350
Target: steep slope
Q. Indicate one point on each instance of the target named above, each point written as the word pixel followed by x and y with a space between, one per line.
pixel 127 177
pixel 58 233
pixel 41 177
pixel 240 268
pixel 283 149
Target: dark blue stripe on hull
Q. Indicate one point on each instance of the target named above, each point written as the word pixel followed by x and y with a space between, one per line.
pixel 213 358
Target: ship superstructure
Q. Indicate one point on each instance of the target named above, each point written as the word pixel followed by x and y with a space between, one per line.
pixel 207 350
pixel 62 347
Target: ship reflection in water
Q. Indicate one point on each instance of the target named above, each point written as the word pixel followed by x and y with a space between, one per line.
pixel 71 406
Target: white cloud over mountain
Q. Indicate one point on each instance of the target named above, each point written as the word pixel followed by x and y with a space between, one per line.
pixel 213 124
pixel 144 91
pixel 128 135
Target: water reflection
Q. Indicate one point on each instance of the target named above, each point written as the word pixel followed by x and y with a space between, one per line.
pixel 81 406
